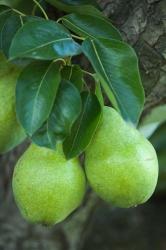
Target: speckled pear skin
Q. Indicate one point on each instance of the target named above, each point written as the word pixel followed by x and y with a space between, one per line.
pixel 47 187
pixel 11 132
pixel 121 165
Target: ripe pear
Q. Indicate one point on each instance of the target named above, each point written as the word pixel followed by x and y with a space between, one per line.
pixel 11 132
pixel 46 186
pixel 121 165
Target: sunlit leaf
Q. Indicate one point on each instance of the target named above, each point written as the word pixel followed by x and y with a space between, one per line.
pixel 80 6
pixel 35 94
pixel 88 26
pixel 116 65
pixel 66 109
pixel 43 39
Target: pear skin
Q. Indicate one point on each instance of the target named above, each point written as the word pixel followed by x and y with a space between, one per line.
pixel 46 186
pixel 121 165
pixel 11 132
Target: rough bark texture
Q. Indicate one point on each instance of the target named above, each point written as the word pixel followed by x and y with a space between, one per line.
pixel 96 225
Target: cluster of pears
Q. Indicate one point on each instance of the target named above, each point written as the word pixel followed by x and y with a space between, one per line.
pixel 11 132
pixel 120 164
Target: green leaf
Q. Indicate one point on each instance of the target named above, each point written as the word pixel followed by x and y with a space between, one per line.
pixel 43 137
pixel 10 22
pixel 66 109
pixel 35 94
pixel 43 39
pixel 88 26
pixel 10 3
pixel 4 10
pixel 85 127
pixel 81 7
pixel 74 74
pixel 159 143
pixel 116 65
pixel 80 2
pixel 5 13
pixel 22 5
pixel 27 19
pixel 153 120
pixel 98 92
pixel 158 138
pixel 25 6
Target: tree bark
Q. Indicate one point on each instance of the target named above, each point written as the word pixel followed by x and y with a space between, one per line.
pixel 96 225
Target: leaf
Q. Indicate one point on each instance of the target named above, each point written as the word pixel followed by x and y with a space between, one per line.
pixel 43 39
pixel 10 23
pixel 98 92
pixel 79 7
pixel 43 137
pixel 159 143
pixel 85 127
pixel 22 5
pixel 66 110
pixel 153 120
pixel 4 9
pixel 25 6
pixel 8 2
pixel 80 2
pixel 88 26
pixel 74 74
pixel 27 19
pixel 158 138
pixel 35 94
pixel 157 115
pixel 5 12
pixel 9 26
pixel 116 65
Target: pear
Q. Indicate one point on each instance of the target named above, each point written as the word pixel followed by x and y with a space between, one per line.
pixel 46 186
pixel 11 132
pixel 121 165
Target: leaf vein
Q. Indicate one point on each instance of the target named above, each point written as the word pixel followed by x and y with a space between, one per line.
pixel 37 94
pixel 76 135
pixel 100 62
pixel 43 45
pixel 89 35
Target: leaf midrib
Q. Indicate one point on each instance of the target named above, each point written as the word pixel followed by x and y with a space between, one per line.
pixel 82 116
pixel 5 11
pixel 97 55
pixel 3 26
pixel 100 18
pixel 79 28
pixel 41 46
pixel 38 91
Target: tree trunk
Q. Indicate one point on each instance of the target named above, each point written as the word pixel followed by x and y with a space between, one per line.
pixel 96 225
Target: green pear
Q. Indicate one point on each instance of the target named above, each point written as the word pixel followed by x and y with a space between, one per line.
pixel 121 165
pixel 46 186
pixel 11 132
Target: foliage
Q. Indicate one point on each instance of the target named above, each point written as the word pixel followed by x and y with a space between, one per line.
pixel 159 143
pixel 153 127
pixel 53 101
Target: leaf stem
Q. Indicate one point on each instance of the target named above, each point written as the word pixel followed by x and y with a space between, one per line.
pixel 33 10
pixel 22 23
pixel 88 73
pixel 87 87
pixel 59 19
pixel 41 8
pixel 78 37
pixel 60 59
pixel 19 12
